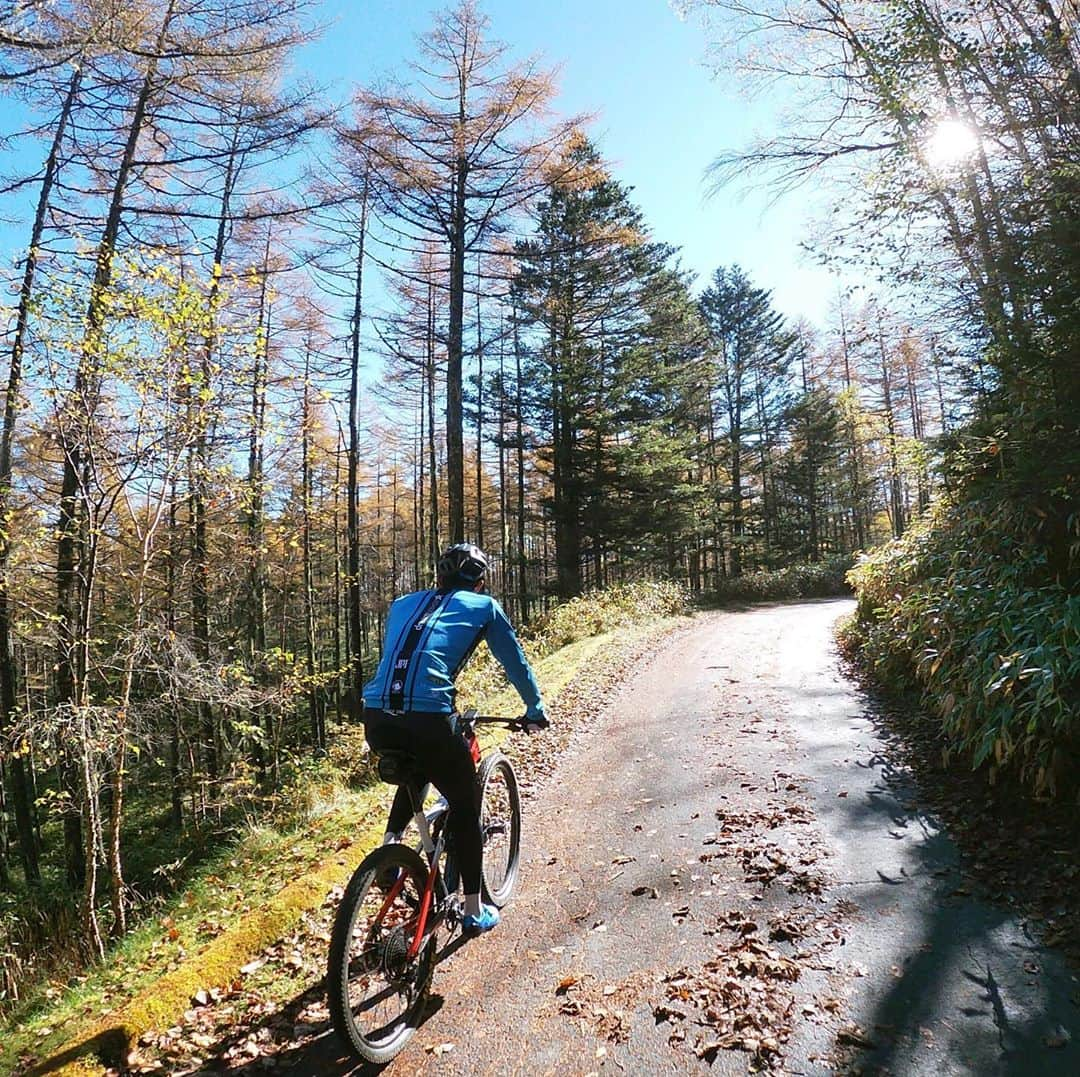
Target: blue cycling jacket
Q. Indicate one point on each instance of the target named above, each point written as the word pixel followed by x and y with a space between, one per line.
pixel 430 635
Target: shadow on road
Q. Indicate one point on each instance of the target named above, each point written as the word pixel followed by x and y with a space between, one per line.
pixel 952 979
pixel 318 1050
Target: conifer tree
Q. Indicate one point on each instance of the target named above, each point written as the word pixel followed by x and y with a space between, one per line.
pixel 750 353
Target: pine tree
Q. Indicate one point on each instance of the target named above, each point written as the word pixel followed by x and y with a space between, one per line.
pixel 750 352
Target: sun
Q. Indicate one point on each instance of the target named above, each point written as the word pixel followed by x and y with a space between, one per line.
pixel 950 143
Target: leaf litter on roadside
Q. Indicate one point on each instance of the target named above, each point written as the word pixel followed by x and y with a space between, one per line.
pixel 604 1007
pixel 743 998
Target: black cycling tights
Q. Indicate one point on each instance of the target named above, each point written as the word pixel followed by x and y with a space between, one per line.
pixel 443 758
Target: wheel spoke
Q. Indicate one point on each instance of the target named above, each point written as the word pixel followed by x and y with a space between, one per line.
pixel 500 822
pixel 375 986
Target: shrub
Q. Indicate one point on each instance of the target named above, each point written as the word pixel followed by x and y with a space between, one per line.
pixel 822 580
pixel 597 612
pixel 588 615
pixel 968 607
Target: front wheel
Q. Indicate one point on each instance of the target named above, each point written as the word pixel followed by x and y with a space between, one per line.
pixel 500 824
pixel 375 991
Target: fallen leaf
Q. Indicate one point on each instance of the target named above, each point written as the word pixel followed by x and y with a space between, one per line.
pixel 854 1037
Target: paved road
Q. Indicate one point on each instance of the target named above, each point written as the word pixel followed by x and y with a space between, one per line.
pixel 950 984
pixel 739 778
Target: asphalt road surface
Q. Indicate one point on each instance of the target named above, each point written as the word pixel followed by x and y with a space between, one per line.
pixel 737 790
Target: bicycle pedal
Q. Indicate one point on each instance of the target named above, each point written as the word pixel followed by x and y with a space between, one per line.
pixel 454 913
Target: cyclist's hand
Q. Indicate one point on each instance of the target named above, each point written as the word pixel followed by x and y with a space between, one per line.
pixel 535 721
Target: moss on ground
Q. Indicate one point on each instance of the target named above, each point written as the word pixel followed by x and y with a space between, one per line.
pixel 158 1006
pixel 107 1040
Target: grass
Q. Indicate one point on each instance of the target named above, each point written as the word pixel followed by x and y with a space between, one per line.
pixel 221 897
pixel 242 900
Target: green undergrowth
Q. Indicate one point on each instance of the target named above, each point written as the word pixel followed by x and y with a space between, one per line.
pixel 245 897
pixel 825 579
pixel 232 886
pixel 579 619
pixel 977 608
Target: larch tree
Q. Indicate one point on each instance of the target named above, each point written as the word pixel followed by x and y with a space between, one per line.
pixel 460 155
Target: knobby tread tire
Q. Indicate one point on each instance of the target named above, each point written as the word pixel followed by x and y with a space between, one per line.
pixel 337 977
pixel 494 766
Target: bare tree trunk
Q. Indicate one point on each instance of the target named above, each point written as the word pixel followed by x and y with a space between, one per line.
pixel 896 495
pixel 28 849
pixel 92 840
pixel 394 569
pixel 256 517
pixel 318 738
pixel 433 474
pixel 200 473
pixel 352 494
pixel 72 441
pixel 176 792
pixel 423 554
pixel 764 445
pixel 418 494
pixel 523 564
pixel 455 446
pixel 337 576
pixel 479 418
pixel 736 498
pixel 854 449
pixel 503 538
pixel 118 783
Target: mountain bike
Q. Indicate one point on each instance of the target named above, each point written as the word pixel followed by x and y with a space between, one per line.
pixel 384 945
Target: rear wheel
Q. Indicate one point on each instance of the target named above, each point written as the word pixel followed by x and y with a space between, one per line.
pixel 376 992
pixel 500 824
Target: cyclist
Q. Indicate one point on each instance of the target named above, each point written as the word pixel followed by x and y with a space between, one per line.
pixel 409 703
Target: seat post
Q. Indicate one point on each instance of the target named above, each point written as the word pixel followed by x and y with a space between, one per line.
pixel 416 798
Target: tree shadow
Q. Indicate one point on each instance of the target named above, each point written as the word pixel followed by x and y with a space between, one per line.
pixel 320 1052
pixel 971 990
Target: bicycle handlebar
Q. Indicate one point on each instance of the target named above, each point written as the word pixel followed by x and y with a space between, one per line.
pixel 472 718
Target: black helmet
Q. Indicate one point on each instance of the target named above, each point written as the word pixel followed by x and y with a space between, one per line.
pixel 463 563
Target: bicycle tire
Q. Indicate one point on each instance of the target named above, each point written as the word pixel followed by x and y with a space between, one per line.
pixel 500 823
pixel 364 899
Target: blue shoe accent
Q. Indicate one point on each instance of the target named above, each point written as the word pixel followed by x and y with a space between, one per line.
pixel 477 925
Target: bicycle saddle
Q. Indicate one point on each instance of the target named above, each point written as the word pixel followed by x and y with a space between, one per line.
pixel 396 768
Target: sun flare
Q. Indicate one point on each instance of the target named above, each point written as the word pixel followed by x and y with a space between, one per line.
pixel 951 142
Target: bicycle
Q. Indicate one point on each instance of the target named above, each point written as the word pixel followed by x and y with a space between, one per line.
pixel 383 948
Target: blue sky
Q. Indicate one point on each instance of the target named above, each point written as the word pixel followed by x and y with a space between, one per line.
pixel 661 118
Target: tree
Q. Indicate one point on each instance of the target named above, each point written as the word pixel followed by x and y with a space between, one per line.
pixel 609 324
pixel 458 159
pixel 808 467
pixel 750 353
